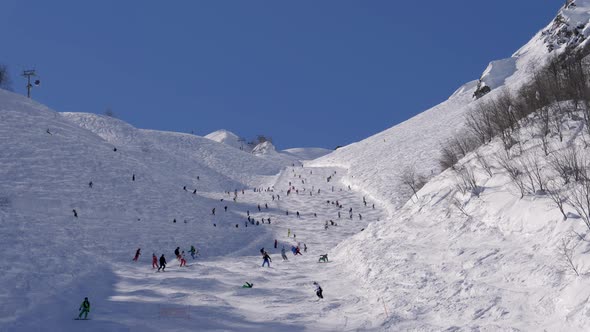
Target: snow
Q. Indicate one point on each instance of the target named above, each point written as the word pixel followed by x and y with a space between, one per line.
pixel 229 138
pixel 307 153
pixel 56 259
pixel 445 260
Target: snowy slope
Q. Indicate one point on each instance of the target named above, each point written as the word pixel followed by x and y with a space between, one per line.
pixel 54 259
pixel 494 264
pixel 449 261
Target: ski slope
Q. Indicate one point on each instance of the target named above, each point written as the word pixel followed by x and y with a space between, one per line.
pixel 56 259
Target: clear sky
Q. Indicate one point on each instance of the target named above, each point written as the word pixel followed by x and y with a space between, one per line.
pixel 307 73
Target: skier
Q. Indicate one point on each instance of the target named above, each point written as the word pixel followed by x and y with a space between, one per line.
pixel 182 260
pixel 262 251
pixel 288 232
pixel 184 188
pixel 276 243
pixel 318 290
pixel 304 247
pixel 258 207
pixel 266 206
pixel 213 211
pixel 90 184
pixel 137 253
pixel 133 177
pixel 225 208
pixel 283 254
pixel 75 213
pixel 177 253
pixel 266 259
pixel 360 217
pixel 154 261
pixel 84 309
pixel 297 214
pixel 195 192
pixel 298 251
pixel 193 252
pixel 162 263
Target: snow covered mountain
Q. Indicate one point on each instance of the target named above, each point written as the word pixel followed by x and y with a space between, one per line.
pixel 79 193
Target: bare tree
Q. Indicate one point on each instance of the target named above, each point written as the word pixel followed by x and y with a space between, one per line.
pixel 513 172
pixel 567 249
pixel 568 164
pixel 558 196
pixel 412 180
pixel 484 163
pixel 579 199
pixel 468 181
pixel 532 166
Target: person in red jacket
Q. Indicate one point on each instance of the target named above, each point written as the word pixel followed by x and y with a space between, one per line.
pixel 154 261
pixel 182 259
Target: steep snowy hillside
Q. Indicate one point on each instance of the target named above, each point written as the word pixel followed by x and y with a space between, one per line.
pixel 461 258
pixel 417 141
pixel 467 253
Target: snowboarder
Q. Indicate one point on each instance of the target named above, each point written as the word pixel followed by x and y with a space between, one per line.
pixel 266 259
pixel 84 309
pixel 137 253
pixel 318 290
pixel 193 252
pixel 154 261
pixel 283 254
pixel 323 258
pixel 162 263
pixel 248 285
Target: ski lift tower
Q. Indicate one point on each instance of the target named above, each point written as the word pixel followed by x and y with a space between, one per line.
pixel 28 74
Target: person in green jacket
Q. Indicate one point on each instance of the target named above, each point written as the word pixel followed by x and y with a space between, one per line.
pixel 247 285
pixel 84 308
pixel 193 251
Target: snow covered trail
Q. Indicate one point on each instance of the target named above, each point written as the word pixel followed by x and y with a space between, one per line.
pixel 207 294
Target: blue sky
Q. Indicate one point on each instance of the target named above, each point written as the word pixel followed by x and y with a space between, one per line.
pixel 307 73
